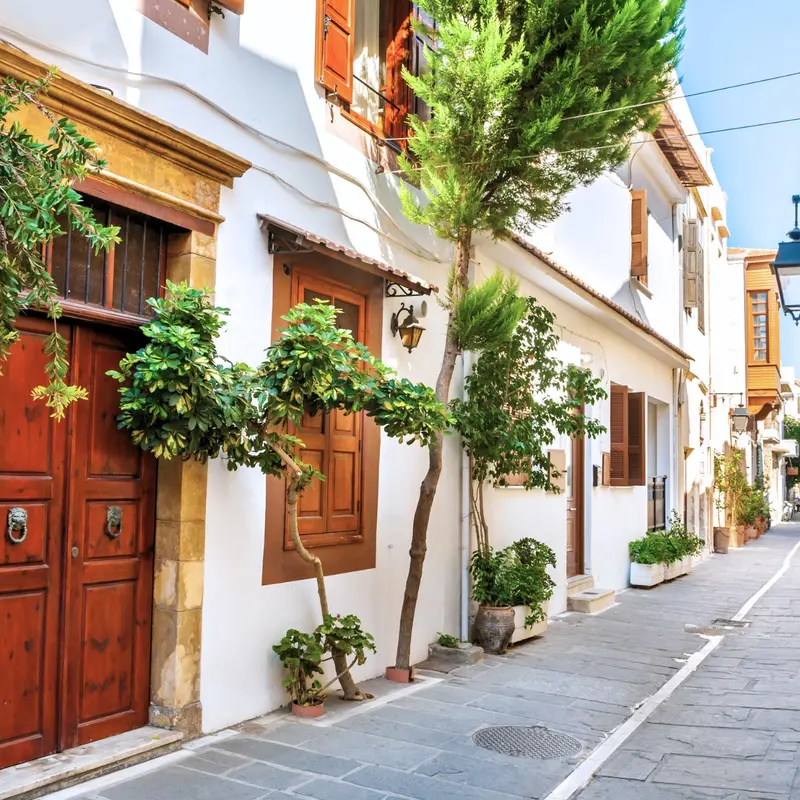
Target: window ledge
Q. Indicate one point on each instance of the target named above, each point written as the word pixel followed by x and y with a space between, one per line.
pixel 639 286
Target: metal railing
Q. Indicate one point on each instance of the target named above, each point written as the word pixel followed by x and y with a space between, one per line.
pixel 657 503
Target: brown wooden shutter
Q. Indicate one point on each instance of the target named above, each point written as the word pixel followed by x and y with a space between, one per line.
pixel 690 263
pixel 344 472
pixel 639 233
pixel 636 439
pixel 619 435
pixel 235 6
pixel 421 42
pixel 701 291
pixel 396 89
pixel 335 46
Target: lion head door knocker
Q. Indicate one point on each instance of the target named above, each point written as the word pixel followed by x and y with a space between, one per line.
pixel 17 529
pixel 114 522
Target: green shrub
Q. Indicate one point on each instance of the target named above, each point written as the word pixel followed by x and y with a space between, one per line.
pixel 665 547
pixel 514 576
pixel 447 640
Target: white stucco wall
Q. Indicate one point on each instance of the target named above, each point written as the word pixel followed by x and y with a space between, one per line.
pixel 264 78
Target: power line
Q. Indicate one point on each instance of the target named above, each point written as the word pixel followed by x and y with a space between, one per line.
pixel 612 146
pixel 658 102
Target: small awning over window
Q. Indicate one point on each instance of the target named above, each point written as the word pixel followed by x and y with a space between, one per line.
pixel 287 239
pixel 678 150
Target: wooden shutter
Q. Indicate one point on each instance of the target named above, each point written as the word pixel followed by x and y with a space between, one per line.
pixel 397 91
pixel 639 233
pixel 690 263
pixel 335 22
pixel 619 435
pixel 344 473
pixel 235 6
pixel 701 291
pixel 421 42
pixel 636 439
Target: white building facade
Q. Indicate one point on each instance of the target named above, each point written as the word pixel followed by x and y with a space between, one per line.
pixel 229 135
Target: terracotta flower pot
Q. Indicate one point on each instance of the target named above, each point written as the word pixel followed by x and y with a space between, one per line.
pixel 752 533
pixel 399 675
pixel 308 712
pixel 737 536
pixel 493 628
pixel 722 539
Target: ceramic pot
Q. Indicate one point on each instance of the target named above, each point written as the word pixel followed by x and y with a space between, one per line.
pixel 722 540
pixel 752 533
pixel 493 628
pixel 308 712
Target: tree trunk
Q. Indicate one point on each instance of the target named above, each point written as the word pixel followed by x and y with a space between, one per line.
pixel 349 688
pixel 427 490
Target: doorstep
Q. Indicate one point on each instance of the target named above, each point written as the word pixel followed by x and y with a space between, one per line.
pixel 48 774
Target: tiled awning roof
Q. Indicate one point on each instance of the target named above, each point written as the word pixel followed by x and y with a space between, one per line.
pixel 678 150
pixel 288 238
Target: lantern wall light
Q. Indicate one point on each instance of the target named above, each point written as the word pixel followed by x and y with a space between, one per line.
pixel 787 268
pixel 408 326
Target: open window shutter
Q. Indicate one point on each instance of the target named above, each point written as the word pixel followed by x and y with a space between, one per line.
pixel 639 233
pixel 335 47
pixel 396 89
pixel 701 292
pixel 236 6
pixel 690 264
pixel 636 439
pixel 420 44
pixel 619 435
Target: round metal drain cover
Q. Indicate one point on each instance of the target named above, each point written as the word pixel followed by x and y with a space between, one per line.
pixel 535 742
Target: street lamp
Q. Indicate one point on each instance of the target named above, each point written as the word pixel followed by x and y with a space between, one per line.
pixel 787 268
pixel 739 418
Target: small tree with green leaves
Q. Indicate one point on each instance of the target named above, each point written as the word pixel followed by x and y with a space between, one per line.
pixel 529 99
pixel 35 193
pixel 181 398
pixel 520 395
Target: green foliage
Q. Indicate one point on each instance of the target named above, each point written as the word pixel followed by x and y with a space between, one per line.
pixel 529 100
pixel 180 398
pixel 301 654
pixel 448 640
pixel 753 504
pixel 520 395
pixel 487 313
pixel 667 546
pixel 35 189
pixel 514 576
pixel 344 635
pixel 730 482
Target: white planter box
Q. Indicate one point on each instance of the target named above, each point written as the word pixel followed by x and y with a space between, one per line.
pixel 646 574
pixel 520 631
pixel 673 570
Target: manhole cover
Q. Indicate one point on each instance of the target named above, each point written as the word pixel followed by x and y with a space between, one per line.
pixel 731 623
pixel 535 742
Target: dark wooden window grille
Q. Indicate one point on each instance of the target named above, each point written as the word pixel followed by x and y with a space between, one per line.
pixel 657 503
pixel 121 279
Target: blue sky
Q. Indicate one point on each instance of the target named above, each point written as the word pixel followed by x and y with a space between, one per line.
pixel 732 41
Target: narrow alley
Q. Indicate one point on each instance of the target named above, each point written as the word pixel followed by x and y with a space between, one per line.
pixel 729 728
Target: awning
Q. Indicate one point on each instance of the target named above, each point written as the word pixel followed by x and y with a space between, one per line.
pixel 678 150
pixel 286 239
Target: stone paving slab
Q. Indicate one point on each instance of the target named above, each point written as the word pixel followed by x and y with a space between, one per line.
pixel 732 731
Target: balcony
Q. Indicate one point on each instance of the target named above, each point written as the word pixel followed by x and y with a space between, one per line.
pixel 771 436
pixel 786 447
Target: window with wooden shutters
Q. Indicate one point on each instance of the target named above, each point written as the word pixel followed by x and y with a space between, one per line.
pixel 639 234
pixel 691 263
pixel 362 48
pixel 701 291
pixel 619 435
pixel 636 438
pixel 628 432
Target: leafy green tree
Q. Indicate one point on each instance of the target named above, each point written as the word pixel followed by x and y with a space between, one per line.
pixel 181 398
pixel 519 396
pixel 35 191
pixel 529 99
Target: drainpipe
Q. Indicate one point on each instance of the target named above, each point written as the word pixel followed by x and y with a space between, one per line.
pixel 465 524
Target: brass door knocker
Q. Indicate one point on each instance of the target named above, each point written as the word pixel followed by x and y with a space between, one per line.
pixel 114 522
pixel 17 521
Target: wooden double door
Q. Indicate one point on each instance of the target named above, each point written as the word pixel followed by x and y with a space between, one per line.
pixel 77 523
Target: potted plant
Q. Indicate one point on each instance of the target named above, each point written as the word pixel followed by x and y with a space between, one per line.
pixel 688 545
pixel 648 561
pixel 730 483
pixel 301 654
pixel 507 583
pixel 519 396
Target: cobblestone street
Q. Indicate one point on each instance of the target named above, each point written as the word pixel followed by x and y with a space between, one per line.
pixel 730 730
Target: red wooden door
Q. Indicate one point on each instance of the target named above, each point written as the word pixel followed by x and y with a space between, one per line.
pixel 575 559
pixel 109 560
pixel 32 467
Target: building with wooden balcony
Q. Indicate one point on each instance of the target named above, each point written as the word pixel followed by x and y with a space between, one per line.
pixel 762 332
